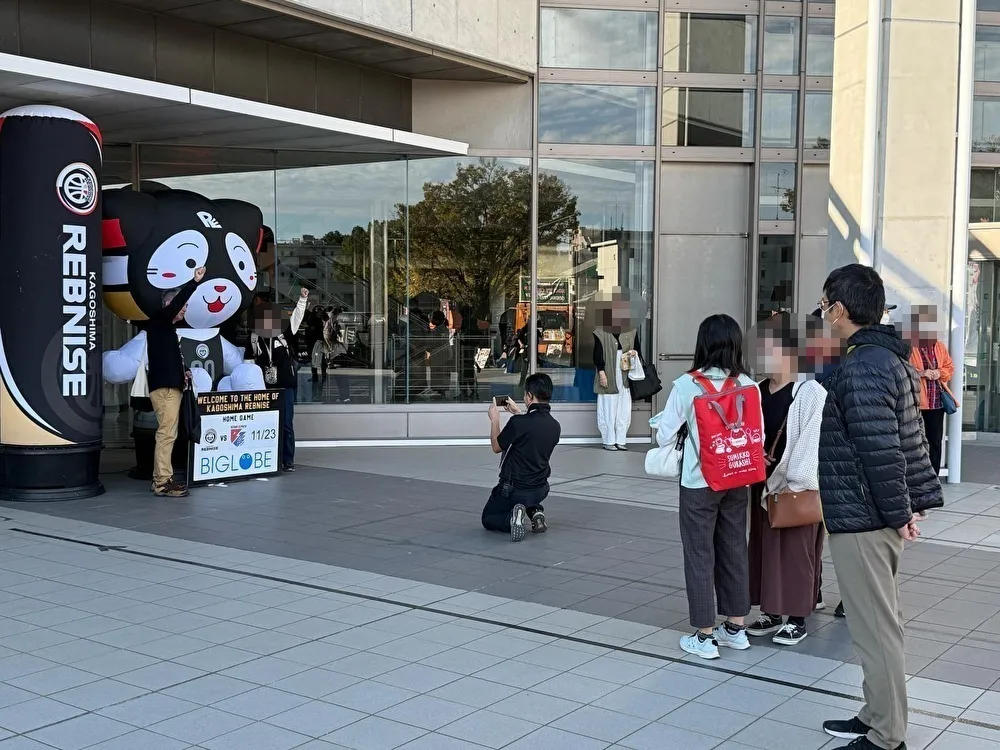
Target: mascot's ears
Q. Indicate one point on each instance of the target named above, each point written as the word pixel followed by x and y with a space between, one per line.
pixel 245 219
pixel 129 217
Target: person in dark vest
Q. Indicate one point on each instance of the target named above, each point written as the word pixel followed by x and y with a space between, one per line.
pixel 272 349
pixel 526 442
pixel 167 377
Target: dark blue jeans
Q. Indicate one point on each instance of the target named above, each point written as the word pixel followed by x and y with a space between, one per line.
pixel 288 428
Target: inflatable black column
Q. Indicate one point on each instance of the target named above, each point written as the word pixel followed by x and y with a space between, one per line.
pixel 51 402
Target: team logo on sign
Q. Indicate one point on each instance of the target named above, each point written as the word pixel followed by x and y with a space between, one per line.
pixel 237 436
pixel 77 188
pixel 211 436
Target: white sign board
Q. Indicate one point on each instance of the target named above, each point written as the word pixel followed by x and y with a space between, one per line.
pixel 240 436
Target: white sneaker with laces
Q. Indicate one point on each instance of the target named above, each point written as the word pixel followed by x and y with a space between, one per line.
pixel 737 641
pixel 706 649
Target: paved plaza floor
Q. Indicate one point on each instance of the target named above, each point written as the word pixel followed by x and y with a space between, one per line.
pixel 359 604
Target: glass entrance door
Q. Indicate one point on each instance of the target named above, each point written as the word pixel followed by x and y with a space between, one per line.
pixel 981 394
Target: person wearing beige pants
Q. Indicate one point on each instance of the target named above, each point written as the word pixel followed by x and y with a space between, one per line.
pixel 167 406
pixel 867 566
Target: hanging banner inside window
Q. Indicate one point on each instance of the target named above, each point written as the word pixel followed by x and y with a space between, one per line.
pixel 240 436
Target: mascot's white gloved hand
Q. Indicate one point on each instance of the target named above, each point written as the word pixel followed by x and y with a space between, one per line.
pixel 121 365
pixel 232 357
pixel 201 380
pixel 245 377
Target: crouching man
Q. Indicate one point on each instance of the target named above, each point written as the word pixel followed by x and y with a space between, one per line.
pixel 526 442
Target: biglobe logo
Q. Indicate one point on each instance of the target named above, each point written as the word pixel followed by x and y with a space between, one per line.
pixel 226 464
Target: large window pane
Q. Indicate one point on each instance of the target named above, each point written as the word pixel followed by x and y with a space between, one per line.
pixel 781 45
pixel 993 5
pixel 779 119
pixel 987 53
pixel 341 232
pixel 708 117
pixel 819 108
pixel 706 43
pixel 986 125
pixel 469 254
pixel 595 232
pixel 600 39
pixel 777 191
pixel 983 196
pixel 819 47
pixel 776 279
pixel 582 113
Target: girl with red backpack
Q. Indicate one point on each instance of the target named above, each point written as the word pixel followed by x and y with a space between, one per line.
pixel 718 405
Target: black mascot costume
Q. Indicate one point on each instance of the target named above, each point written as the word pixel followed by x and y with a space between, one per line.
pixel 153 241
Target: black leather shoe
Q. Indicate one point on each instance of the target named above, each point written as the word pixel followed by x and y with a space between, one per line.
pixel 839 611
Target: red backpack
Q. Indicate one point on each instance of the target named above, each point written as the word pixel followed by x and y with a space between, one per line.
pixel 730 434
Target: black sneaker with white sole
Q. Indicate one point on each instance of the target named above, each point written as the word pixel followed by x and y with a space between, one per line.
pixel 863 743
pixel 517 516
pixel 538 525
pixel 847 730
pixel 789 634
pixel 839 611
pixel 765 625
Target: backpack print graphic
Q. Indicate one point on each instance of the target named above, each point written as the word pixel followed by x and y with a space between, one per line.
pixel 730 434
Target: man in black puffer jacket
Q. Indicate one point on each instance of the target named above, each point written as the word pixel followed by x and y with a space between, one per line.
pixel 875 478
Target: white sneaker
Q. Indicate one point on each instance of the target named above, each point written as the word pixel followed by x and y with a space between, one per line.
pixel 706 649
pixel 820 605
pixel 739 641
pixel 610 447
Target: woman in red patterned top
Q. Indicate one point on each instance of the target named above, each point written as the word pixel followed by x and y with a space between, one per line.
pixel 931 359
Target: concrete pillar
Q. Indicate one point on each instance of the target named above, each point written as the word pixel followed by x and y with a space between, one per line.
pixel 895 161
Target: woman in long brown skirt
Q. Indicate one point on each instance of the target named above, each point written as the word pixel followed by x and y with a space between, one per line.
pixel 785 563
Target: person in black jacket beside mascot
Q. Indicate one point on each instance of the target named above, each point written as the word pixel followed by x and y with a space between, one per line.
pixel 876 480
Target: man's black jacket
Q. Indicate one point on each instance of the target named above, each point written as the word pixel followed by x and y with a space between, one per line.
pixel 874 468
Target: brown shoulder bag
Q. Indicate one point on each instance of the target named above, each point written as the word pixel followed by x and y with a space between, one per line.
pixel 789 510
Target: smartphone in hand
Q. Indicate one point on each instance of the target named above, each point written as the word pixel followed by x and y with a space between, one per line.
pixel 501 401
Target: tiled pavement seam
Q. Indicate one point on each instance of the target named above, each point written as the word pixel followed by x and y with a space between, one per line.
pixel 561 672
pixel 602 560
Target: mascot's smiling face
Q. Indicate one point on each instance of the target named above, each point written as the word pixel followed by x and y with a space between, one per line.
pixel 154 242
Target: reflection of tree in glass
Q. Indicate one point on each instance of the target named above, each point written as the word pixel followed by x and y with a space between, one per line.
pixel 470 238
pixel 822 143
pixel 788 201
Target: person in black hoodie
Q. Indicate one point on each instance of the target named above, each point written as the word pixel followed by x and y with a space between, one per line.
pixel 167 376
pixel 272 349
pixel 875 479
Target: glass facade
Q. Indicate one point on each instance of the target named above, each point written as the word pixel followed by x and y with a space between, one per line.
pixel 819 47
pixel 595 232
pixel 416 268
pixel 597 39
pixel 776 275
pixel 709 43
pixel 584 113
pixel 988 53
pixel 779 127
pixel 819 111
pixel 986 125
pixel 777 191
pixel 984 196
pixel 708 117
pixel 781 45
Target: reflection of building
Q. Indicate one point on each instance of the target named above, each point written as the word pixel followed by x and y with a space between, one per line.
pixel 395 169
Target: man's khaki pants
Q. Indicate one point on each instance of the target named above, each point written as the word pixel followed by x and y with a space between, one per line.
pixel 167 405
pixel 867 566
